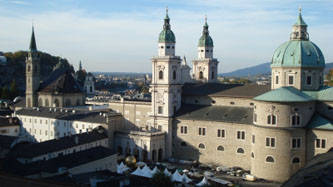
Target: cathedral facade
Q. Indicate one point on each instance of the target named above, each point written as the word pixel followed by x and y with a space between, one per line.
pixel 271 130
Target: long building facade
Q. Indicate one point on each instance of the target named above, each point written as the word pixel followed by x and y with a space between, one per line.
pixel 271 130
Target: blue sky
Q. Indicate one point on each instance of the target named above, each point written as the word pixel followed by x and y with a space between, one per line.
pixel 121 35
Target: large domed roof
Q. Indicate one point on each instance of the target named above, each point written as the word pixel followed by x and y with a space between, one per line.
pixel 298 53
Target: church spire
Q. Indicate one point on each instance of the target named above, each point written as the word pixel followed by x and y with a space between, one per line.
pixel 80 66
pixel 33 46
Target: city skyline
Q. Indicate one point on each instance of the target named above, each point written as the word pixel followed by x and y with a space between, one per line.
pixel 122 36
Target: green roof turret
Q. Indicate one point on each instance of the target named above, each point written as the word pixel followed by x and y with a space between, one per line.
pixel 300 20
pixel 166 35
pixel 205 40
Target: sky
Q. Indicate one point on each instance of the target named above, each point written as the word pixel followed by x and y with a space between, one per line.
pixel 121 35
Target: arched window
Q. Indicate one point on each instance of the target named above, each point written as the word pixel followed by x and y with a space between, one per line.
pixel 295 120
pixel 29 102
pixel 78 102
pixel 220 148
pixel 269 159
pixel 29 68
pixel 47 103
pixel 56 103
pixel 252 155
pixel 201 75
pixel 174 75
pixel 160 75
pixel 240 150
pixel 40 102
pixel 202 146
pixel 271 119
pixel 213 75
pixel 296 160
pixel 183 144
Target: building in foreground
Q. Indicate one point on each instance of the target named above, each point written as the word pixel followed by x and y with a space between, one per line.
pixel 271 130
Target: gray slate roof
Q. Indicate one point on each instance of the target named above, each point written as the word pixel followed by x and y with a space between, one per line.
pixel 7 122
pixel 38 149
pixel 52 165
pixel 79 115
pixel 225 90
pixel 227 114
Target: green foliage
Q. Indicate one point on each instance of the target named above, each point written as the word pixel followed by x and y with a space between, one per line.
pixel 161 180
pixel 15 69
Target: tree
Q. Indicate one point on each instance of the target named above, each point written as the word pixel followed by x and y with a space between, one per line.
pixel 161 180
pixel 13 91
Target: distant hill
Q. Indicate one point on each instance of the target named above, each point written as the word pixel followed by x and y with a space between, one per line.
pixel 260 69
pixel 14 69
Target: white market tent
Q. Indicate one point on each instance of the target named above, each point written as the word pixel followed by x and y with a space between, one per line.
pixel 137 172
pixel 166 172
pixel 155 170
pixel 121 168
pixel 186 179
pixel 203 182
pixel 176 177
pixel 146 172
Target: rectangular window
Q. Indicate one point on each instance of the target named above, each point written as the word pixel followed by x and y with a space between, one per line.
pixel 255 117
pixel 160 110
pixel 296 143
pixel 183 129
pixel 276 79
pixel 308 80
pixel 270 142
pixel 291 80
pixel 241 135
pixel 202 131
pixel 321 143
pixel 253 138
pixel 221 133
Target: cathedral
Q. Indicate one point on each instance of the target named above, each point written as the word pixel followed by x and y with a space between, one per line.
pixel 271 130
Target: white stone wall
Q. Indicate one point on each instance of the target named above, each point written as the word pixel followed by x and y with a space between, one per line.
pixel 39 129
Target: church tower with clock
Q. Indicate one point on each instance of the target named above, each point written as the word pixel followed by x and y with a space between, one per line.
pixel 166 83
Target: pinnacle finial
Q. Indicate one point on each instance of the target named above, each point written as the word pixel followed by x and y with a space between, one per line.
pixel 166 10
pixel 300 9
pixel 33 46
pixel 205 18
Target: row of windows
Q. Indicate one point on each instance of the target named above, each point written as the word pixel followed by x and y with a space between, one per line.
pixel 271 119
pixel 168 47
pixel 220 132
pixel 161 75
pixel 291 80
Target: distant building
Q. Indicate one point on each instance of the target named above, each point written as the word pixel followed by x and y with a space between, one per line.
pixel 9 126
pixel 89 84
pixel 60 89
pixel 42 124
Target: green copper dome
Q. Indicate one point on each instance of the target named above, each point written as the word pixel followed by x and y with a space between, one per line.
pixel 205 40
pixel 298 53
pixel 166 35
